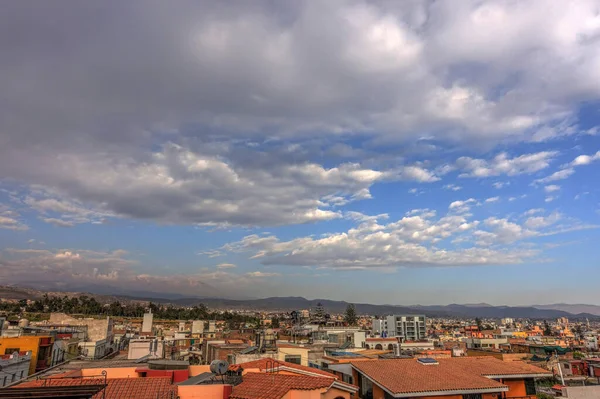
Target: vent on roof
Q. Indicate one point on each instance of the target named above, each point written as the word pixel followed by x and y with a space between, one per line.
pixel 427 361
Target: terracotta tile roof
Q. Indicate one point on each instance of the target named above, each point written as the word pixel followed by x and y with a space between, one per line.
pixel 270 363
pixel 117 388
pixel 275 386
pixel 452 374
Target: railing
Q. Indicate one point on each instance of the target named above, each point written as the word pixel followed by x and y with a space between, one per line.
pixel 99 379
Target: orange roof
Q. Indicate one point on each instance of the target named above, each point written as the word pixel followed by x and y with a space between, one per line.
pixel 463 374
pixel 275 386
pixel 117 388
pixel 270 363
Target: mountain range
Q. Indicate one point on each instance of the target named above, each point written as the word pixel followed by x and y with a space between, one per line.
pixel 286 304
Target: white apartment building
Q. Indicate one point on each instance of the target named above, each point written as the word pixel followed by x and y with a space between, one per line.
pixel 406 327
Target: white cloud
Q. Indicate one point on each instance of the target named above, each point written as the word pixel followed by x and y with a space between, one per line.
pixel 551 188
pixel 585 159
pixel 569 169
pixel 9 219
pixel 226 266
pixel 262 274
pixel 538 222
pixel 452 187
pixel 533 211
pixel 492 199
pixel 500 184
pixel 462 206
pixel 501 164
pixel 549 199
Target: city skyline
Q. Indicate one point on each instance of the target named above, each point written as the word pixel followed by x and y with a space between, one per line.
pixel 422 153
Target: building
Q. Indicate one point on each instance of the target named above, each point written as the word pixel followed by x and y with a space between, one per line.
pixel 14 367
pixel 163 379
pixel 147 323
pixel 406 327
pixel 99 336
pixel 453 378
pixel 486 343
pixel 152 348
pixel 381 343
pixel 40 347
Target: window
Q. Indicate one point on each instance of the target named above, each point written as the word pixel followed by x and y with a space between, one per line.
pixel 530 386
pixel 296 359
pixel 10 351
pixel 472 396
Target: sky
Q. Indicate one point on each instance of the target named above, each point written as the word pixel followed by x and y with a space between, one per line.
pixel 414 152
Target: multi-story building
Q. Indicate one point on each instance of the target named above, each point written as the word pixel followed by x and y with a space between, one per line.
pixel 405 327
pixel 14 367
pixel 40 347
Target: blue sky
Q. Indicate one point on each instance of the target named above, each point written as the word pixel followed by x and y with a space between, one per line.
pixel 376 152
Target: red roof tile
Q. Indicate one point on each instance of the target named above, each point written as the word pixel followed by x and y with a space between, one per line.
pixel 275 386
pixel 452 374
pixel 270 363
pixel 117 388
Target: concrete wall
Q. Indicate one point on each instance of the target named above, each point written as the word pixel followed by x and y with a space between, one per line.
pixel 98 329
pixel 588 392
pixel 139 348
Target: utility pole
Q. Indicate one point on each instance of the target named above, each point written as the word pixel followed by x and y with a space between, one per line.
pixel 562 379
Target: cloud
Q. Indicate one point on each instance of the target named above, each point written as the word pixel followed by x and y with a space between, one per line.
pixel 226 266
pixel 58 222
pixel 492 199
pixel 9 219
pixel 538 222
pixel 569 169
pixel 585 159
pixel 501 164
pixel 259 274
pixel 452 187
pixel 551 188
pixel 499 184
pixel 462 206
pixel 181 114
pixel 115 271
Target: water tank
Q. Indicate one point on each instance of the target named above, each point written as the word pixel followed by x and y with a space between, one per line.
pixel 23 323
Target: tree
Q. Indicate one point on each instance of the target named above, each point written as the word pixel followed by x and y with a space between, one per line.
pixel 547 329
pixel 479 324
pixel 350 316
pixel 275 322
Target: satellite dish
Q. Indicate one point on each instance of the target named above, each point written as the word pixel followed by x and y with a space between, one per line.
pixel 219 367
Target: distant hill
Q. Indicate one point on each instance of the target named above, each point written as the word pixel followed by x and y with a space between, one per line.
pixel 286 304
pixel 572 308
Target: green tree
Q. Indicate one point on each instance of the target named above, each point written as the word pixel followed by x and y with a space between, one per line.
pixel 350 316
pixel 275 322
pixel 479 324
pixel 547 329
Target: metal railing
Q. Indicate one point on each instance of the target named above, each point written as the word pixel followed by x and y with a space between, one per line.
pixel 101 379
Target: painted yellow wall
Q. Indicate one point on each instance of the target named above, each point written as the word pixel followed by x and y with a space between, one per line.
pixel 302 352
pixel 31 343
pixel 117 372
